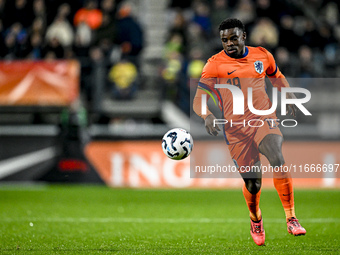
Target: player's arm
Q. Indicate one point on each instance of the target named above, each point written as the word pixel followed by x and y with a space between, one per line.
pixel 291 107
pixel 209 116
pixel 207 82
pixel 279 81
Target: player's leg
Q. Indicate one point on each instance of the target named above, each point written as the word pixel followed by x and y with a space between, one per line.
pixel 246 154
pixel 252 191
pixel 271 147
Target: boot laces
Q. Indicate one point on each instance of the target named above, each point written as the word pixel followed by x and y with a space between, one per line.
pixel 295 223
pixel 257 228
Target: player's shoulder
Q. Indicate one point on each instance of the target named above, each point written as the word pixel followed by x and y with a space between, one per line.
pixel 217 57
pixel 258 50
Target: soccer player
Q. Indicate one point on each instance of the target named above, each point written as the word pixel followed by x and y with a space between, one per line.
pixel 244 66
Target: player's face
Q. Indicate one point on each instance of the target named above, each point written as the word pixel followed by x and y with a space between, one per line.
pixel 233 41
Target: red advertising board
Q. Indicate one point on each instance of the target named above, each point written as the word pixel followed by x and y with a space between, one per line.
pixel 142 164
pixel 47 83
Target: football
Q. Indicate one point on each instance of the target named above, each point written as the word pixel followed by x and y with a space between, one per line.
pixel 177 144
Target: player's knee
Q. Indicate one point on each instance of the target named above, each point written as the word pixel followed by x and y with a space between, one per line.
pixel 276 159
pixel 271 144
pixel 253 185
pixel 273 153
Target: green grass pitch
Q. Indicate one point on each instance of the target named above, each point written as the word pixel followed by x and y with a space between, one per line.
pixel 100 220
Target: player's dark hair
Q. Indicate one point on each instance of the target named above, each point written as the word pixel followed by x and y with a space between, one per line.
pixel 231 23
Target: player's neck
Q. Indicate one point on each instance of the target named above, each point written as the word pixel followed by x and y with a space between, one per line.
pixel 242 54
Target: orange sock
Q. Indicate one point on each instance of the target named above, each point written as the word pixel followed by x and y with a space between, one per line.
pixel 284 186
pixel 253 202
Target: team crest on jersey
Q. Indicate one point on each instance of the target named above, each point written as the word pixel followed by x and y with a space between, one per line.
pixel 258 66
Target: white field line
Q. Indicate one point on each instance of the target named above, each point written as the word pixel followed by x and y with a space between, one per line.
pixel 163 220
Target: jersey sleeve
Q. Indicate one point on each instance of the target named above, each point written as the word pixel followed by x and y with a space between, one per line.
pixel 197 103
pixel 209 75
pixel 206 84
pixel 272 69
pixel 274 74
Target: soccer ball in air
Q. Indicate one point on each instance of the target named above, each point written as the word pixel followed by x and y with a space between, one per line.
pixel 177 143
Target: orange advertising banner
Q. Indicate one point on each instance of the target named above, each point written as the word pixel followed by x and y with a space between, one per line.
pixel 142 164
pixel 47 83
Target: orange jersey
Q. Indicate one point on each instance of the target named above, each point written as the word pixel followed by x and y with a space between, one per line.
pixel 245 72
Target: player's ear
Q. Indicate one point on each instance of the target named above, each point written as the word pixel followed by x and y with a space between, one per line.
pixel 244 36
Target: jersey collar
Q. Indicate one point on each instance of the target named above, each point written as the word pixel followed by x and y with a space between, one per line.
pixel 244 54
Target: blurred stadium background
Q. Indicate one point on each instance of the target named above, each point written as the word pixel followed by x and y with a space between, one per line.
pixel 88 88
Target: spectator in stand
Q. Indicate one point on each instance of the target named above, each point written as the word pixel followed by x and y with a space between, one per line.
pixel 287 31
pixel 175 44
pixel 325 36
pixel 196 63
pixel 330 13
pixel 219 12
pixel 38 26
pixel 306 64
pixel 61 30
pixel 196 39
pixel 39 10
pixel 95 61
pixel 35 49
pixel 171 74
pixel 336 32
pixel 287 63
pixel 65 11
pixel 108 7
pixel 245 11
pixel 10 50
pixel 83 39
pixel 53 49
pixel 268 9
pixel 310 36
pixel 180 6
pixel 21 36
pixel 192 70
pixel 202 18
pixel 129 33
pixel 123 80
pixel 89 15
pixel 174 49
pixel 106 36
pixel 179 27
pixel 264 33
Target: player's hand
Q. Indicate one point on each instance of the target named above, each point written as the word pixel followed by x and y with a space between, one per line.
pixel 291 107
pixel 209 125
